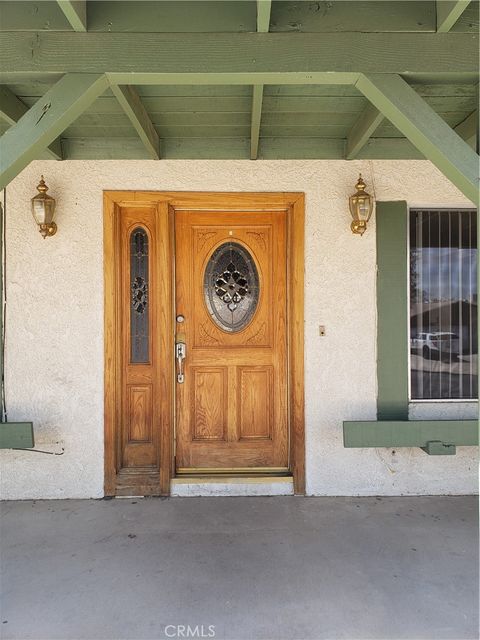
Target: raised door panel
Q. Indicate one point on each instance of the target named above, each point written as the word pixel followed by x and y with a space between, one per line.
pixel 209 403
pixel 140 414
pixel 255 402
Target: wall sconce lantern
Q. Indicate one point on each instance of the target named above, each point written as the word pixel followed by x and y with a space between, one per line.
pixel 361 207
pixel 43 209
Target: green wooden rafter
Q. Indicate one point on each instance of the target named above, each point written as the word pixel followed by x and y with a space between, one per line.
pixel 425 129
pixel 370 119
pixel 448 12
pixel 48 117
pixel 76 13
pixel 264 8
pixel 468 129
pixel 138 116
pixel 12 109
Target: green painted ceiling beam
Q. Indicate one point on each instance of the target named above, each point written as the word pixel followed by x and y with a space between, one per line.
pixel 46 120
pixel 76 13
pixel 264 8
pixel 425 129
pixel 448 12
pixel 238 148
pixel 362 130
pixel 12 109
pixel 238 58
pixel 138 116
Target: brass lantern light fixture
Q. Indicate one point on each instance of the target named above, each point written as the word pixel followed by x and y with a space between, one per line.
pixel 43 210
pixel 361 207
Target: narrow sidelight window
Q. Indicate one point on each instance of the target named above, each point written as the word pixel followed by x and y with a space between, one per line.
pixel 139 297
pixel 443 305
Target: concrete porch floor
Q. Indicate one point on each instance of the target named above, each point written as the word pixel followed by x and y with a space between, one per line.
pixel 255 568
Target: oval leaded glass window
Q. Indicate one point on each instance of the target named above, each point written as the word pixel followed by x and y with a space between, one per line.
pixel 231 286
pixel 139 310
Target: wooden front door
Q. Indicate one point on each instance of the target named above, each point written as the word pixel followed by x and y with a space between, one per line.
pixel 221 275
pixel 231 317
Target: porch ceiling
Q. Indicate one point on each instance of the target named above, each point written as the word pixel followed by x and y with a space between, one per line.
pixel 203 85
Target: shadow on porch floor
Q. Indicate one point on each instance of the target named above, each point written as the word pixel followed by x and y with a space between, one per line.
pixel 257 568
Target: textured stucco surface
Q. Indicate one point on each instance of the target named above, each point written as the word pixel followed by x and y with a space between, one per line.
pixel 55 321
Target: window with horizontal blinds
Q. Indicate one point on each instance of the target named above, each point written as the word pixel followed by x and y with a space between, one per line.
pixel 443 305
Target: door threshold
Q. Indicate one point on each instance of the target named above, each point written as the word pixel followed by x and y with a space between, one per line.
pixel 231 478
pixel 233 471
pixel 228 485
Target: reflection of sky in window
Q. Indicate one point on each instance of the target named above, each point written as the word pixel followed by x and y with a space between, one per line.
pixel 446 274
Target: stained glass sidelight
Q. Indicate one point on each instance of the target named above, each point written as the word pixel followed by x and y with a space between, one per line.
pixel 231 287
pixel 139 296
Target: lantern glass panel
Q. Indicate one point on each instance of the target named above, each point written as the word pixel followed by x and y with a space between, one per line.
pixel 363 208
pixel 43 209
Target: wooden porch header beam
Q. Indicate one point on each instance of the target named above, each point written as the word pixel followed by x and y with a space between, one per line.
pixel 238 58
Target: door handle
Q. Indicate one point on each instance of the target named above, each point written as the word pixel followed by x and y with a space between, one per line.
pixel 180 355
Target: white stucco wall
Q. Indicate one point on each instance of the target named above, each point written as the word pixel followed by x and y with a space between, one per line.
pixel 54 368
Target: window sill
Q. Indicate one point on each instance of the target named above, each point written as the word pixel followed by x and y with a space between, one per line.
pixel 16 435
pixel 435 437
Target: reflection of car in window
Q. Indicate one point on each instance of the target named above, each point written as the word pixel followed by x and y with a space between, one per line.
pixel 436 345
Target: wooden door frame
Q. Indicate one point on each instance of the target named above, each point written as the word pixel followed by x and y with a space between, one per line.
pixel 167 201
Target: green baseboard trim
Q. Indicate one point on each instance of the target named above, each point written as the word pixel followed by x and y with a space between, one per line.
pixel 433 436
pixel 16 435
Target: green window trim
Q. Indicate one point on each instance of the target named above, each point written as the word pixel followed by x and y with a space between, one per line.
pixel 392 427
pixel 392 310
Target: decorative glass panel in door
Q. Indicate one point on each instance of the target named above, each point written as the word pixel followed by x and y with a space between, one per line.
pixel 231 286
pixel 139 303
